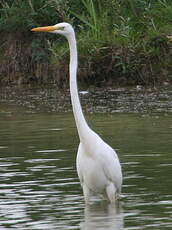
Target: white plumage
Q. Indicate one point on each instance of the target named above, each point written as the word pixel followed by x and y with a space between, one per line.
pixel 98 166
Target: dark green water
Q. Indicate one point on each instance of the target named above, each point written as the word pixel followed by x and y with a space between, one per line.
pixel 39 188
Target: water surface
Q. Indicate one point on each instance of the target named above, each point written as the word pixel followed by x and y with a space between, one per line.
pixel 39 188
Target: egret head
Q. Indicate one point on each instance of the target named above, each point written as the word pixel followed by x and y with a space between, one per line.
pixel 63 28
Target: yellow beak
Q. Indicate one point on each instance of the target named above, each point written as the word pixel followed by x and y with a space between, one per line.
pixel 45 29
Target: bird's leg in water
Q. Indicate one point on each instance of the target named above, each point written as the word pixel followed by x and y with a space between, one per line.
pixel 86 193
pixel 111 192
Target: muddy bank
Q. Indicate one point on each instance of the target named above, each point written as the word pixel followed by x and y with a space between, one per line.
pixel 28 59
pixel 130 46
pixel 107 100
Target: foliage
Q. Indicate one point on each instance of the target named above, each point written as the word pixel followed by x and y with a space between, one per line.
pixel 23 15
pixel 116 38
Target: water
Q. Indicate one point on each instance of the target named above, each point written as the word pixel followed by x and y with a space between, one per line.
pixel 39 188
pixel 104 100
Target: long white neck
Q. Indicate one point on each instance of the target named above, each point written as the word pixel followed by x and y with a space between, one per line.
pixel 81 123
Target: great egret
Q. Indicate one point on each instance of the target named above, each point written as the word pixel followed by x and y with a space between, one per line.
pixel 98 166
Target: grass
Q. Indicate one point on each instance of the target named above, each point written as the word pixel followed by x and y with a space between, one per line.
pixel 119 41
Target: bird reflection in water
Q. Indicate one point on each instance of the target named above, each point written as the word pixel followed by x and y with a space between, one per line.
pixel 103 216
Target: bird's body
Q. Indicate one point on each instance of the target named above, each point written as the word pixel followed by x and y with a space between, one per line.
pixel 98 169
pixel 98 166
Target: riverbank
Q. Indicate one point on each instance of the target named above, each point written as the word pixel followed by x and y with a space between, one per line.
pixel 24 62
pixel 120 43
pixel 93 100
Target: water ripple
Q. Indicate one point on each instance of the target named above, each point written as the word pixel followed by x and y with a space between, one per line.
pixel 39 187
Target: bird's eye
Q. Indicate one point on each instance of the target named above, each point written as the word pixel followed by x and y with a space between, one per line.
pixel 62 28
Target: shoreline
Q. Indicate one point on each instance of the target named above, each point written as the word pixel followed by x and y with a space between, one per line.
pixel 93 100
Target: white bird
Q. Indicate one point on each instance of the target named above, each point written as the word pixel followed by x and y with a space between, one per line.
pixel 98 166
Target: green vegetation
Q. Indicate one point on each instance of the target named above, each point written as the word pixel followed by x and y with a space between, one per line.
pixel 120 42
